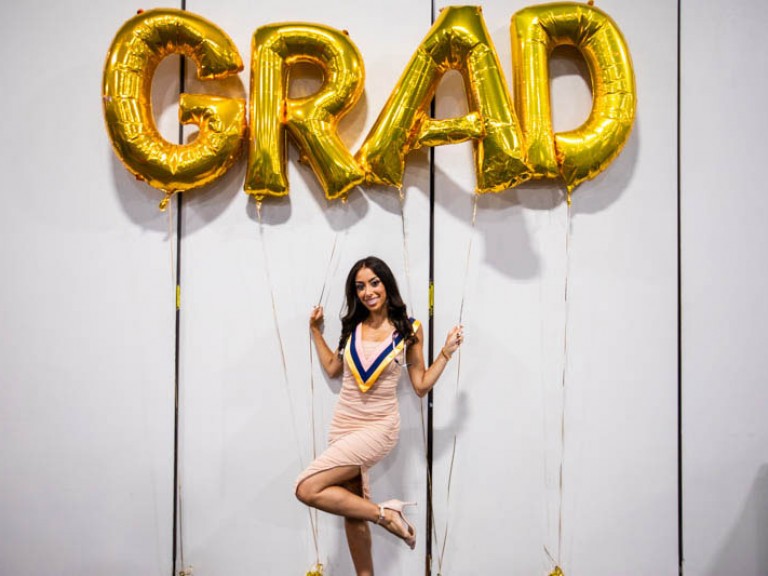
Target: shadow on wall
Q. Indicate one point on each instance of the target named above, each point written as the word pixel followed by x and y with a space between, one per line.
pixel 501 221
pixel 510 249
pixel 745 551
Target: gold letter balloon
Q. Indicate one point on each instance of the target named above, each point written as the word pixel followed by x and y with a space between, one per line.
pixel 133 57
pixel 512 143
pixel 312 120
pixel 580 154
pixel 458 40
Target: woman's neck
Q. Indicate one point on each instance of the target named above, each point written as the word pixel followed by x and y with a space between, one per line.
pixel 376 319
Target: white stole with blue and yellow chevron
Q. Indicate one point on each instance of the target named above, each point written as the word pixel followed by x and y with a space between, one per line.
pixel 366 376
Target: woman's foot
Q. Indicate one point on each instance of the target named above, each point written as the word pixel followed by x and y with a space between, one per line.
pixel 392 518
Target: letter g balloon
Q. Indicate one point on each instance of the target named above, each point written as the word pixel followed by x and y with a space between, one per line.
pixel 137 49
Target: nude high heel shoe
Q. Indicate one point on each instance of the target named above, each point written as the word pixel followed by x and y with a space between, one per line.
pixel 398 506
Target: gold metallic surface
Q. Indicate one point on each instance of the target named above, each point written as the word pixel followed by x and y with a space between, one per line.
pixel 313 120
pixel 137 49
pixel 580 154
pixel 458 40
pixel 450 131
pixel 507 151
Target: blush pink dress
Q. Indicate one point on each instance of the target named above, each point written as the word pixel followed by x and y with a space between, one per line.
pixel 365 426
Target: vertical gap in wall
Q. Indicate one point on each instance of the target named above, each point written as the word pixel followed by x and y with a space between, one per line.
pixel 680 555
pixel 431 341
pixel 430 354
pixel 176 495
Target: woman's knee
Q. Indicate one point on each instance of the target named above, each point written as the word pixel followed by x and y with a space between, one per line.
pixel 304 493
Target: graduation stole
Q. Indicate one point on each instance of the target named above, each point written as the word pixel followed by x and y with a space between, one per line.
pixel 365 372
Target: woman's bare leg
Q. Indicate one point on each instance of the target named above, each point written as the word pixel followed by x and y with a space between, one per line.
pixel 359 535
pixel 325 491
pixel 359 541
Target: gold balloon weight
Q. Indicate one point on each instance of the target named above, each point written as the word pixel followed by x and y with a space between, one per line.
pixel 316 570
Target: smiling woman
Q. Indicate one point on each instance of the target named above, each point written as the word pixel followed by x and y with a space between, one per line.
pixel 370 290
pixel 377 341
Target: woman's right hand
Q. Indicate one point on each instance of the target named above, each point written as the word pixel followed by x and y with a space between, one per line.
pixel 316 318
pixel 454 339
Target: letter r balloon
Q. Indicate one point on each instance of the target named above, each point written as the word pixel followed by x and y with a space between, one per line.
pixel 312 120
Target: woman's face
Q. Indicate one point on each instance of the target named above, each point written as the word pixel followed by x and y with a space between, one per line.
pixel 370 290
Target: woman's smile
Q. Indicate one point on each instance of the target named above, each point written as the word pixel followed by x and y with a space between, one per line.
pixel 370 289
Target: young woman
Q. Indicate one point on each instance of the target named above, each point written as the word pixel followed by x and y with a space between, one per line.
pixel 377 341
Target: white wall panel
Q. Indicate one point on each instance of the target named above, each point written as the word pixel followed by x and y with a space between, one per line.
pixel 247 418
pixel 724 240
pixel 86 314
pixel 619 502
pixel 87 320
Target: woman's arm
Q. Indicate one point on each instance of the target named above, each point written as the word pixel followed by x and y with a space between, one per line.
pixel 423 379
pixel 329 359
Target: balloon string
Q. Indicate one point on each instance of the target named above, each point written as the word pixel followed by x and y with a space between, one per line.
pixel 181 532
pixel 312 399
pixel 421 403
pixel 281 344
pixel 313 511
pixel 424 439
pixel 406 259
pixel 466 267
pixel 328 268
pixel 279 335
pixel 447 501
pixel 458 380
pixel 170 244
pixel 274 307
pixel 429 473
pixel 406 264
pixel 564 381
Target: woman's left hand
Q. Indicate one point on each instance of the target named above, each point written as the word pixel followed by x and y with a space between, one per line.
pixel 454 339
pixel 316 318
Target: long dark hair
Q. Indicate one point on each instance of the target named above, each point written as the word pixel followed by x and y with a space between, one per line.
pixel 356 312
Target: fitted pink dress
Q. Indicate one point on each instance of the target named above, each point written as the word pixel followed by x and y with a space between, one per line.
pixel 365 426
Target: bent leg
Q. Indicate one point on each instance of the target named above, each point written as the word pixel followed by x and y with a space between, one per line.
pixel 325 492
